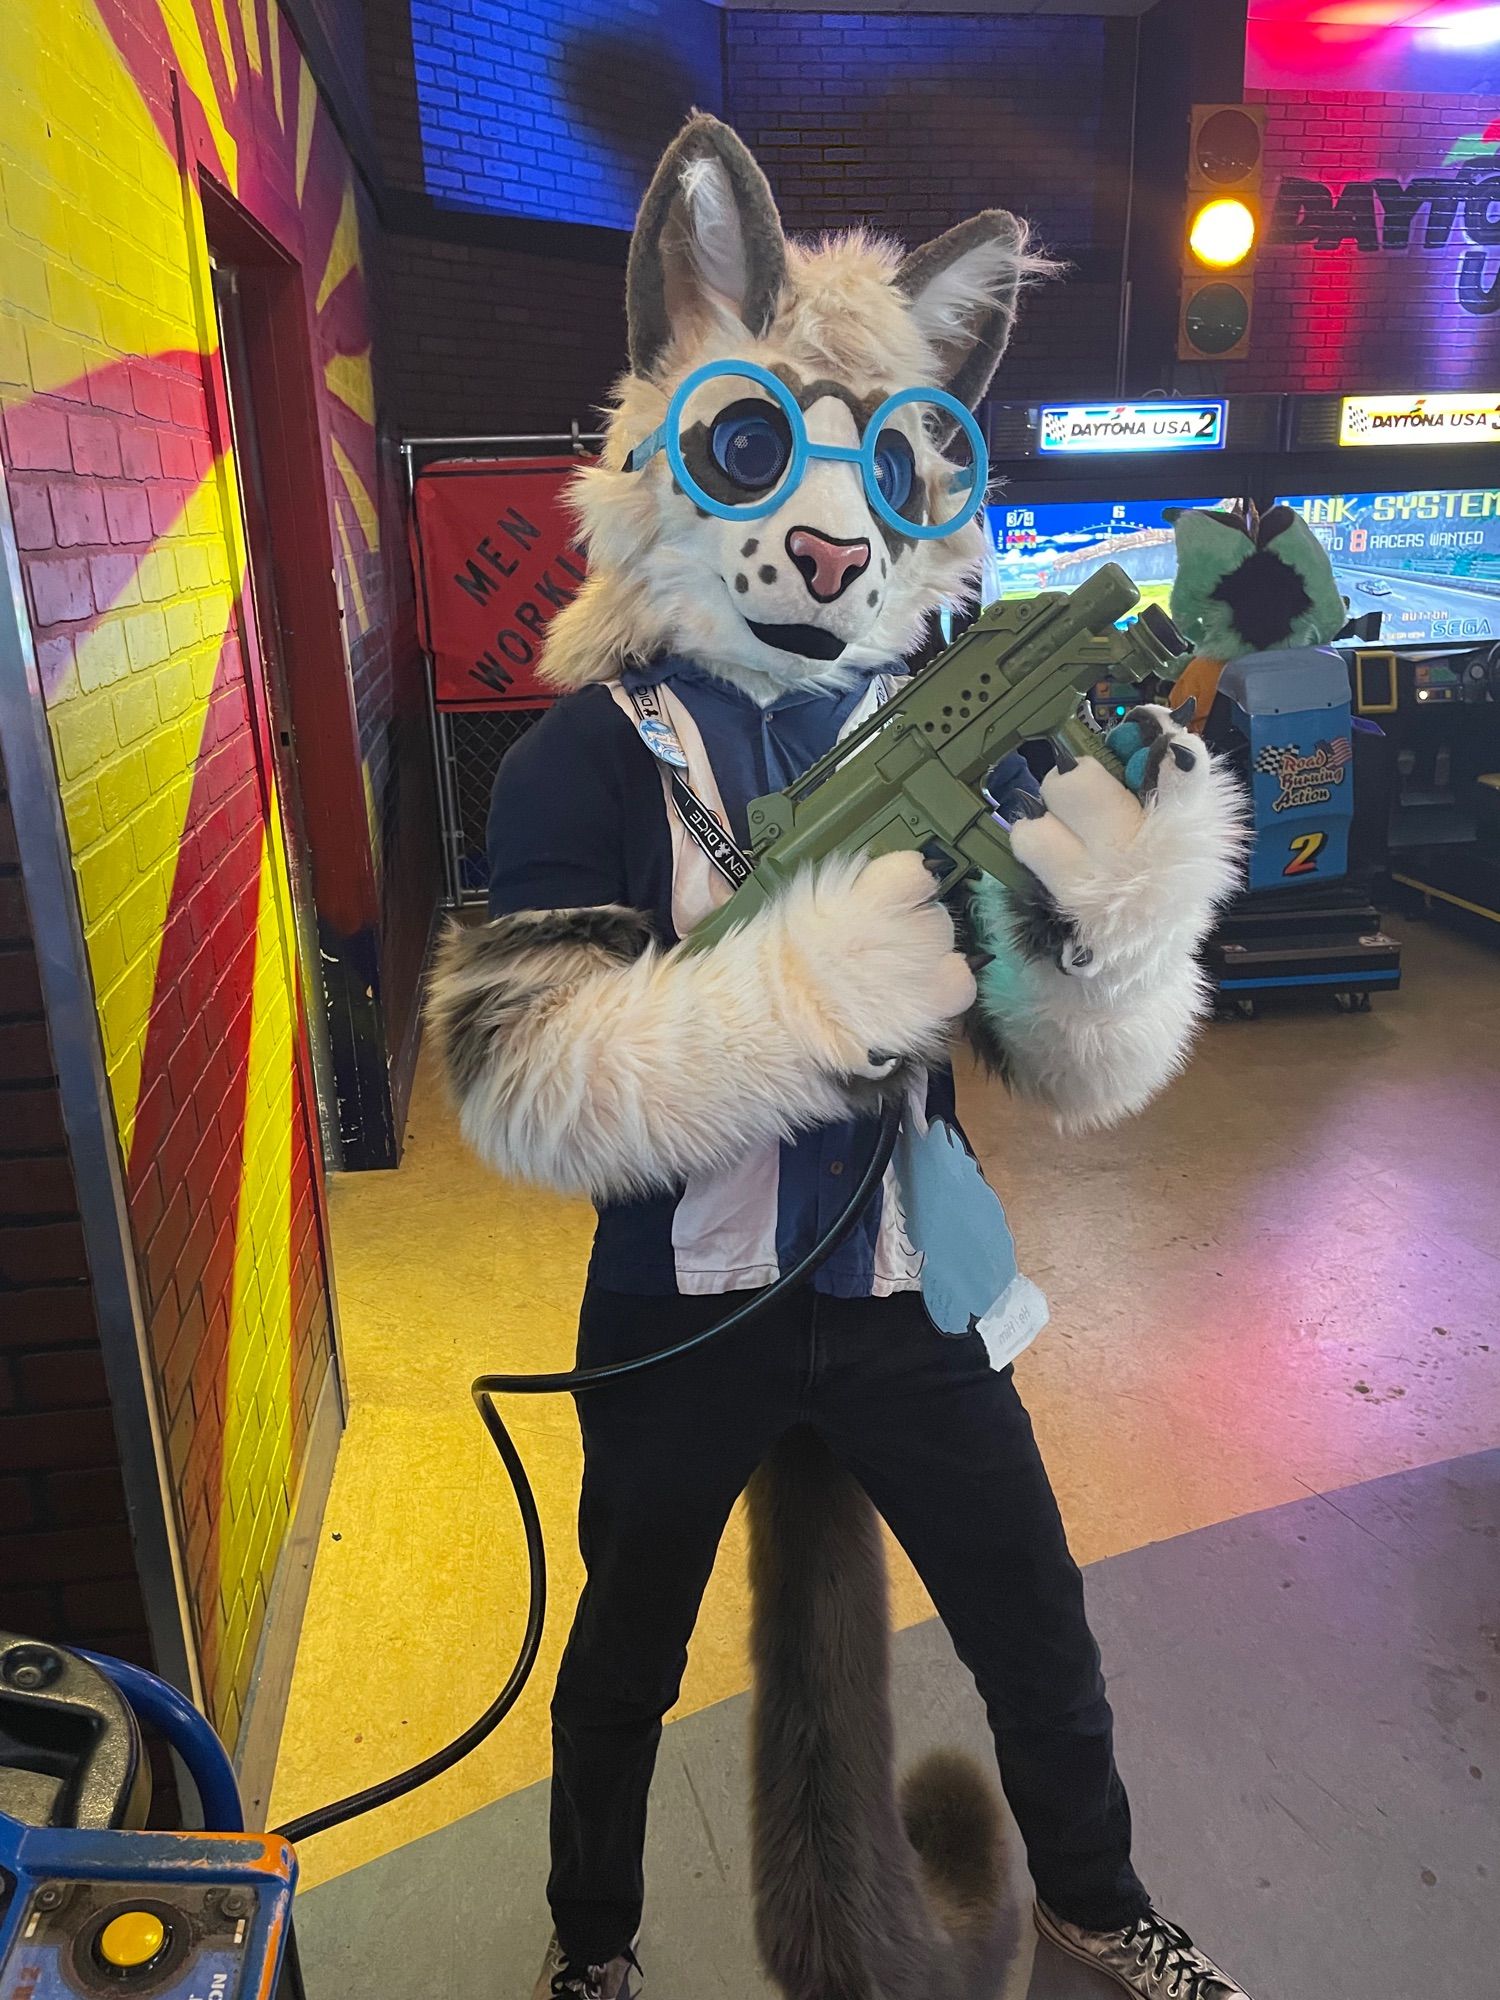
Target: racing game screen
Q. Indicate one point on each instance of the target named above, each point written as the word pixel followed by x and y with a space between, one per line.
pixel 1059 544
pixel 1429 562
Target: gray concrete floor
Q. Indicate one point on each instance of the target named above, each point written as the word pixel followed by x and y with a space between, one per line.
pixel 1308 1703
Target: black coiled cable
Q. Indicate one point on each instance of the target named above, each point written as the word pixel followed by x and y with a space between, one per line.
pixel 485 1388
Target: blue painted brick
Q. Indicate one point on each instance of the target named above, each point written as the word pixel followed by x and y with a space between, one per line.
pixel 512 65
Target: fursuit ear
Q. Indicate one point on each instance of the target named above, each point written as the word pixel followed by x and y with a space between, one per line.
pixel 1212 546
pixel 1285 534
pixel 962 290
pixel 707 242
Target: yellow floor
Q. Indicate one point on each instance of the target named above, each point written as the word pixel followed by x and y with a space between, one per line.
pixel 1280 1280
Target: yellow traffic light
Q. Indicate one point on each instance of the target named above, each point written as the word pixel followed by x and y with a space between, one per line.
pixel 1222 233
pixel 1226 145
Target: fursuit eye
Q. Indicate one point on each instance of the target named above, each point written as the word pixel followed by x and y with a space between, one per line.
pixel 751 445
pixel 895 468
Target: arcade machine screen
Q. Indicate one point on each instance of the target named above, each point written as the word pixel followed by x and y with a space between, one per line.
pixel 1428 562
pixel 1056 545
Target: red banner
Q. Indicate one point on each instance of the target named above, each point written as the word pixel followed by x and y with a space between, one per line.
pixel 496 559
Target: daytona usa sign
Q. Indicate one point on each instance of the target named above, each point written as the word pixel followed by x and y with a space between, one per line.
pixel 1387 420
pixel 1119 427
pixel 1426 212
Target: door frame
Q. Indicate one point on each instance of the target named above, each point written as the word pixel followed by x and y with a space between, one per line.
pixel 280 345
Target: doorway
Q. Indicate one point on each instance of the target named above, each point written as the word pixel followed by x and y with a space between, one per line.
pixel 263 608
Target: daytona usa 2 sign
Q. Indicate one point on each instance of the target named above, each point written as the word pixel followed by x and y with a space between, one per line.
pixel 1120 427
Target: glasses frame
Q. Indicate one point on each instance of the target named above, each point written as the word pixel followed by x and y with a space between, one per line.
pixel 667 437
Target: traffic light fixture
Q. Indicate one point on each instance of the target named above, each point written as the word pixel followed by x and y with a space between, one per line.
pixel 1221 232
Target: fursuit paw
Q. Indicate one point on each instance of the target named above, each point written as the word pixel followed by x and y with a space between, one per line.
pixel 877 948
pixel 1148 736
pixel 1135 870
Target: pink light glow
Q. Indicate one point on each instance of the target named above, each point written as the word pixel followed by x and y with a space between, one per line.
pixel 1368 44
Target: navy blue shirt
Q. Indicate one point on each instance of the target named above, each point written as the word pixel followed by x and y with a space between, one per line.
pixel 578 818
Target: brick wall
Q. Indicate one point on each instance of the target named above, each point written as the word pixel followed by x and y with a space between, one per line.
pixel 1342 317
pixel 482 334
pixel 1065 341
pixel 911 122
pixel 67 1570
pixel 557 109
pixel 484 339
pixel 395 751
pixel 487 336
pixel 337 29
pixel 385 955
pixel 113 430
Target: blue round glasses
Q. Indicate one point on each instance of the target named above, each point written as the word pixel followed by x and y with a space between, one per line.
pixel 763 448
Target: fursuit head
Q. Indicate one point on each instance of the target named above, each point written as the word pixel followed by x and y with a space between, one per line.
pixel 586 1055
pixel 823 584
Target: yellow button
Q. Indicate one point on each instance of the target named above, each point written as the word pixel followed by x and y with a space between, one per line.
pixel 132 1940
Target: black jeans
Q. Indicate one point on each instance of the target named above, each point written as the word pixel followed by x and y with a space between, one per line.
pixel 944 1448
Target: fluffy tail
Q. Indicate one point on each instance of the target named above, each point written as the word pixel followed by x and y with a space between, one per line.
pixel 855 1896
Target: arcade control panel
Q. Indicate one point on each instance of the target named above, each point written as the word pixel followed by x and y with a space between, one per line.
pixel 90 1907
pixel 113 1915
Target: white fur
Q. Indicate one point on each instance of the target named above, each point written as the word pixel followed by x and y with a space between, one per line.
pixel 1141 882
pixel 630 1077
pixel 1096 1050
pixel 717 240
pixel 950 302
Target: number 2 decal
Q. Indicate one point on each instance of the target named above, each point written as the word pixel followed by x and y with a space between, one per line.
pixel 1306 847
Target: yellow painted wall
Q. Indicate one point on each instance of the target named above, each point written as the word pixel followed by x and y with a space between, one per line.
pixel 124 496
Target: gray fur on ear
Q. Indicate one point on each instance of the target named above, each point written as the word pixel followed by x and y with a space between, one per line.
pixel 707 238
pixel 963 287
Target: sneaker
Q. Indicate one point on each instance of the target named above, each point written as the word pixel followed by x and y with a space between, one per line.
pixel 563 1980
pixel 1150 1957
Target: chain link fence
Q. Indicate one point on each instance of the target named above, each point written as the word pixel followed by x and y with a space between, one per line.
pixel 473 743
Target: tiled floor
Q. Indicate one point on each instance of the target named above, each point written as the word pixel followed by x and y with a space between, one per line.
pixel 1282 1281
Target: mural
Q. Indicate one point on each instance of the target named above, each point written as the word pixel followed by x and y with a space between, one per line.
pixel 1380 268
pixel 112 416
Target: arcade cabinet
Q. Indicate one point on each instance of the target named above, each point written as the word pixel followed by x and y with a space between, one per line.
pixel 91 1904
pixel 1320 785
pixel 1257 595
pixel 1446 838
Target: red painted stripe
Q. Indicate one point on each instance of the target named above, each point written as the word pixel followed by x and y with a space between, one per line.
pixel 187 1149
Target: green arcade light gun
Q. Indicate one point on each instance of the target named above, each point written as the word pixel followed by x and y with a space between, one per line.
pixel 913 775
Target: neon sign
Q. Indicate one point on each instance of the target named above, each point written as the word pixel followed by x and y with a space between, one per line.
pixel 1387 420
pixel 1112 427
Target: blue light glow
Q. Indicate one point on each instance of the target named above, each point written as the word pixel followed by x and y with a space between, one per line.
pixel 559 109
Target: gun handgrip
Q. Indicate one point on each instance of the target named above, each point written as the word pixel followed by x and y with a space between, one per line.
pixel 986 846
pixel 1084 741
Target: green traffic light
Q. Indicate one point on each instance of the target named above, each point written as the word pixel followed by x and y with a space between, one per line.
pixel 1216 318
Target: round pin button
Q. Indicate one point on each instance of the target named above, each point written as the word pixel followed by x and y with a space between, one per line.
pixel 132 1940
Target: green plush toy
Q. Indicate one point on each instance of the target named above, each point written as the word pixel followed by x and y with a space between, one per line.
pixel 1253 583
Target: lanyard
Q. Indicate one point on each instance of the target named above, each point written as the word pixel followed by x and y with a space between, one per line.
pixel 723 851
pixel 703 824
